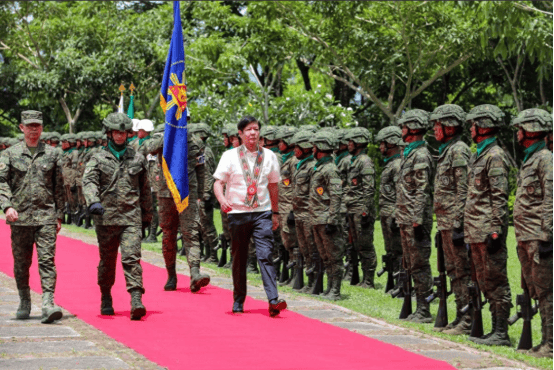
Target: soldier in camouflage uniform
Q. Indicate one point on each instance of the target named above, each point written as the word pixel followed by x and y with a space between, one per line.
pixel 342 161
pixel 486 218
pixel 224 219
pixel 31 196
pixel 324 205
pixel 414 208
pixel 72 161
pixel 533 217
pixel 300 203
pixel 360 189
pixel 449 201
pixel 270 137
pixel 286 191
pixel 390 141
pixel 116 178
pixel 207 196
pixel 188 221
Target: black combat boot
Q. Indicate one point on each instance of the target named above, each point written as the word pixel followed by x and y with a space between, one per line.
pixel 334 294
pixel 152 238
pixel 171 283
pixel 137 308
pixel 106 306
pixel 545 348
pixel 329 271
pixel 252 265
pixel 311 281
pixel 198 280
pixel 422 314
pixel 24 309
pixel 500 335
pixel 368 279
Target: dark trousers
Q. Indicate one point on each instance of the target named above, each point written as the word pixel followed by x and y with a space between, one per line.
pixel 243 227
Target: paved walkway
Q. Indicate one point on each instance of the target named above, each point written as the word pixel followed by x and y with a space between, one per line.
pixel 73 344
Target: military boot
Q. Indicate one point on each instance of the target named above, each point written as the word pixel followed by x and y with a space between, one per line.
pixel 329 271
pixel 171 283
pixel 479 340
pixel 198 280
pixel 152 238
pixel 106 305
pixel 422 315
pixel 88 224
pixel 252 265
pixel 137 308
pixel 24 309
pixel 213 255
pixel 50 312
pixel 545 348
pixel 310 285
pixel 500 336
pixel 229 264
pixel 462 328
pixel 368 279
pixel 334 294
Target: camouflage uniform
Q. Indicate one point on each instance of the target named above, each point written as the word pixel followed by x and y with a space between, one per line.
pixel 154 174
pixel 342 161
pixel 360 191
pixel 533 222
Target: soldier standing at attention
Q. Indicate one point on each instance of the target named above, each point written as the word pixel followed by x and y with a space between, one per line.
pixel 533 217
pixel 486 218
pixel 449 201
pixel 116 178
pixel 414 208
pixel 390 141
pixel 324 205
pixel 31 196
pixel 342 161
pixel 360 189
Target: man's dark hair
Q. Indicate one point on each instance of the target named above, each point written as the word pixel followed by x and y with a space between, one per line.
pixel 247 120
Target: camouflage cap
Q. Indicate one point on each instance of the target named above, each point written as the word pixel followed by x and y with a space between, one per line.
pixel 325 140
pixel 286 133
pixel 534 120
pixel 269 132
pixel 342 135
pixel 303 139
pixel 359 135
pixel 71 138
pixel 232 130
pixel 391 135
pixel 45 136
pixel 201 129
pixel 117 121
pixel 449 115
pixel 31 116
pixel 486 116
pixel 311 128
pixel 55 136
pixel 415 119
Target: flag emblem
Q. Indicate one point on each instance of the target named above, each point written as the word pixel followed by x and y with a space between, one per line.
pixel 178 92
pixel 319 190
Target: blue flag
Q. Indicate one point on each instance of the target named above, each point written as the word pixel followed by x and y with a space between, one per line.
pixel 173 99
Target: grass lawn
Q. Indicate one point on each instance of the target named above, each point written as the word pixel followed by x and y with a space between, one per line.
pixel 377 304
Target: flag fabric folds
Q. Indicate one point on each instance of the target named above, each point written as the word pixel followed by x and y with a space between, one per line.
pixel 131 108
pixel 120 106
pixel 173 100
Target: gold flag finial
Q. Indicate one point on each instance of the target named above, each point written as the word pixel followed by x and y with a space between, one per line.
pixel 132 88
pixel 121 88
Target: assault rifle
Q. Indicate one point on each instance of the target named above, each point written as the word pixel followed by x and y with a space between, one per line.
pixel 284 257
pixel 388 265
pixel 298 273
pixel 475 303
pixel 223 245
pixel 405 287
pixel 278 261
pixel 526 312
pixel 440 282
pixel 317 268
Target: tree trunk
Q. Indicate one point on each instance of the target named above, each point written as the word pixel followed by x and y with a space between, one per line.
pixel 305 72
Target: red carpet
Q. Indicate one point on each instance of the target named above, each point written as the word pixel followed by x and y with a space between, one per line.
pixel 198 331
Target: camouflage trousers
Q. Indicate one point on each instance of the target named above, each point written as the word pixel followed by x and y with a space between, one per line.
pixel 207 227
pixel 305 239
pixel 288 233
pixel 393 241
pixel 225 226
pixel 343 224
pixel 415 257
pixel 458 267
pixel 155 217
pixel 80 196
pixel 492 274
pixel 74 204
pixel 69 197
pixel 362 236
pixel 127 239
pixel 23 238
pixel 537 271
pixel 188 222
pixel 331 250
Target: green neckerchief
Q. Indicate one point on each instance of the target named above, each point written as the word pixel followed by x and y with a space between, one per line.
pixel 483 144
pixel 532 149
pixel 340 157
pixel 130 139
pixel 303 160
pixel 143 140
pixel 412 146
pixel 87 149
pixel 391 157
pixel 68 151
pixel 443 146
pixel 286 157
pixel 115 152
pixel 275 150
pixel 322 160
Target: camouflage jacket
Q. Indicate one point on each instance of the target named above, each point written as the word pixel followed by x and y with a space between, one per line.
pixel 80 166
pixel 451 185
pixel 209 170
pixel 196 168
pixel 342 166
pixel 533 203
pixel 32 185
pixel 325 194
pixel 414 190
pixel 286 186
pixel 360 186
pixel 387 188
pixel 121 186
pixel 301 197
pixel 486 209
pixel 154 170
pixel 68 172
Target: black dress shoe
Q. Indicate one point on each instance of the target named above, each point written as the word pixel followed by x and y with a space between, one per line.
pixel 238 307
pixel 276 306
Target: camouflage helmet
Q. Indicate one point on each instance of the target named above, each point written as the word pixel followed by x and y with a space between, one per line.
pixel 71 138
pixel 311 128
pixel 232 130
pixel 45 136
pixel 303 139
pixel 415 119
pixel 55 136
pixel 270 132
pixel 486 116
pixel 533 120
pixel 325 140
pixel 342 136
pixel 359 135
pixel 391 135
pixel 117 121
pixel 286 133
pixel 201 129
pixel 449 115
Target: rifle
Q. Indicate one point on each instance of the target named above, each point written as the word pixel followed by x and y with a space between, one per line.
pixel 298 267
pixel 387 267
pixel 318 269
pixel 405 282
pixel 526 312
pixel 284 270
pixel 223 245
pixel 353 239
pixel 440 282
pixel 159 232
pixel 277 262
pixel 475 302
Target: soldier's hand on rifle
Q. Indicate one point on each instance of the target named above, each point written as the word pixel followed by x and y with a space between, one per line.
pixel 290 219
pixel 96 209
pixel 545 248
pixel 330 229
pixel 494 242
pixel 12 215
